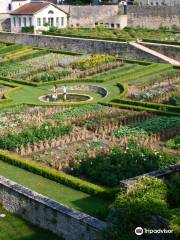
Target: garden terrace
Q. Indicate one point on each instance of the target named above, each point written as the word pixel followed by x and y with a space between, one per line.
pixel 78 152
pixel 127 34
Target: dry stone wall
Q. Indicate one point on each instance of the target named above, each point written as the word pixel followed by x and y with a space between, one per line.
pixel 48 214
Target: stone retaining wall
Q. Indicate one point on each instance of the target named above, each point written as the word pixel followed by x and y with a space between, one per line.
pixel 92 46
pixel 162 173
pixel 168 50
pixel 48 214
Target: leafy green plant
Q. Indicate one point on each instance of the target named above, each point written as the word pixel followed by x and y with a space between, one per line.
pixel 173 143
pixel 153 125
pixel 50 76
pixel 77 111
pixel 109 169
pixel 33 135
pixel 141 206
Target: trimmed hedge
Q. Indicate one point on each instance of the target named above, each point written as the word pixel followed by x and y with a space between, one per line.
pixel 161 42
pixel 57 176
pixel 86 37
pixel 7 99
pixel 123 89
pixel 158 106
pixel 139 108
pixel 34 84
pixel 32 55
pixel 10 48
pixel 63 51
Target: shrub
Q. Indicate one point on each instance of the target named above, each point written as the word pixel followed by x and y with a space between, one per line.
pixel 109 169
pixel 173 195
pixel 29 29
pixel 140 206
pixel 173 143
pixel 175 221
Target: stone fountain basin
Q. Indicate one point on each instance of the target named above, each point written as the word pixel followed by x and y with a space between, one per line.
pixel 70 98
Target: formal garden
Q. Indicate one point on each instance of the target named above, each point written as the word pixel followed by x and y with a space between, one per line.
pixel 162 34
pixel 78 124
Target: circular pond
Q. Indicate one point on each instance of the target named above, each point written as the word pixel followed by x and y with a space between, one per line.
pixel 70 97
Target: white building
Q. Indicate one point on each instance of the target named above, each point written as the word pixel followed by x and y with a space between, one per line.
pixel 5 6
pixel 38 15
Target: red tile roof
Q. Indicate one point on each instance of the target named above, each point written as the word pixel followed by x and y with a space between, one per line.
pixel 30 8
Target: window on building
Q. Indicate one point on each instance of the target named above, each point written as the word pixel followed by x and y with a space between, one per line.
pixel 14 21
pixel 106 25
pixel 44 21
pixel 9 7
pixel 24 21
pixel 50 12
pixel 51 22
pixel 118 25
pixel 62 21
pixel 19 20
pixel 112 25
pixel 57 21
pixel 30 21
pixel 38 22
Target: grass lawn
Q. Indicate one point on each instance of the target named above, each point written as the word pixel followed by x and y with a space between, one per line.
pixel 15 228
pixel 81 201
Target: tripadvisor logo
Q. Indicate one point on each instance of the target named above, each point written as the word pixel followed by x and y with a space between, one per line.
pixel 139 231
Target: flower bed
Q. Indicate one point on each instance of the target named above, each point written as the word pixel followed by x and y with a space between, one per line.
pixel 93 61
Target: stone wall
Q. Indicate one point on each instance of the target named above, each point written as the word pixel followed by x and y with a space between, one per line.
pixel 168 50
pixel 48 214
pixel 153 16
pixel 122 49
pixel 162 173
pixel 88 15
